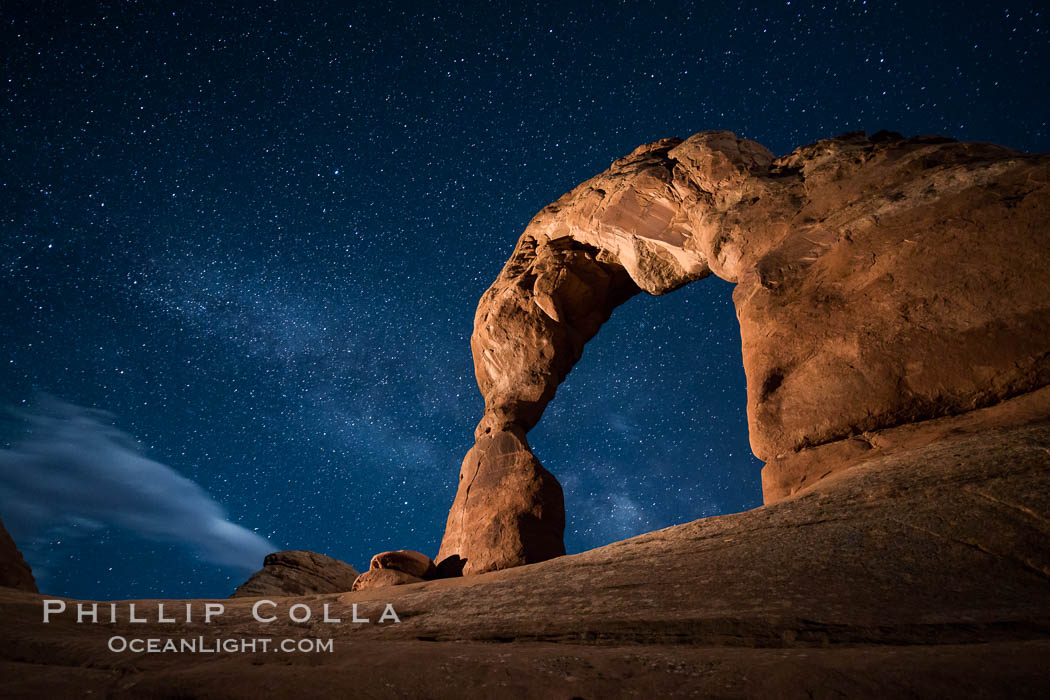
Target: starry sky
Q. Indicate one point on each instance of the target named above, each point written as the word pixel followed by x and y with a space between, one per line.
pixel 242 246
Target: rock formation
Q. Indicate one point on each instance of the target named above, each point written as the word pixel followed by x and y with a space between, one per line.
pixel 395 569
pixel 414 563
pixel 14 572
pixel 383 578
pixel 508 508
pixel 297 572
pixel 879 281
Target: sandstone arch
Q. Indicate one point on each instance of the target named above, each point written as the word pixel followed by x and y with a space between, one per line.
pixel 878 282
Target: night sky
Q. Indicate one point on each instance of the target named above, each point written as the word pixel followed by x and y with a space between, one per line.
pixel 242 249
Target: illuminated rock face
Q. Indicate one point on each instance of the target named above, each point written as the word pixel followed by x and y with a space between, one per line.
pixel 396 568
pixel 879 281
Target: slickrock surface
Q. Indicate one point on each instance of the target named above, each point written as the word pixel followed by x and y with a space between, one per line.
pixel 297 572
pixel 920 571
pixel 14 572
pixel 879 282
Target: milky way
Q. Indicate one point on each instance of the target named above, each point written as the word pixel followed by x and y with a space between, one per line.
pixel 256 238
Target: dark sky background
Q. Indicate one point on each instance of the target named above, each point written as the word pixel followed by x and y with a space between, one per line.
pixel 242 248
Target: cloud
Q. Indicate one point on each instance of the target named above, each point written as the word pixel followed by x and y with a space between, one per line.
pixel 72 467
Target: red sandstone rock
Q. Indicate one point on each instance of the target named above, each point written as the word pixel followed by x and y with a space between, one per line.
pixel 407 561
pixel 508 509
pixel 297 572
pixel 898 283
pixel 14 572
pixel 880 282
pixel 382 578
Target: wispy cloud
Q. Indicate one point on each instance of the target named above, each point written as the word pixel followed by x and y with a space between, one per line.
pixel 73 467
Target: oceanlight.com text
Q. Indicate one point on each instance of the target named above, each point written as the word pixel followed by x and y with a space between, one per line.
pixel 227 645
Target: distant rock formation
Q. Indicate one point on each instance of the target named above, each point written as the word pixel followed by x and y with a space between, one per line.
pixel 381 578
pixel 415 563
pixel 14 572
pixel 297 572
pixel 395 569
pixel 879 281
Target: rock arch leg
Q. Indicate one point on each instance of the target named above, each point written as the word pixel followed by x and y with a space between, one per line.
pixel 529 331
